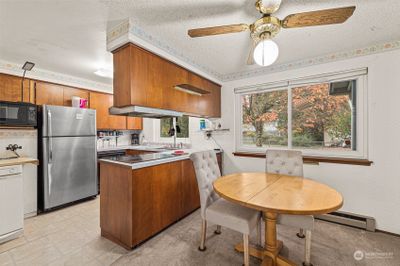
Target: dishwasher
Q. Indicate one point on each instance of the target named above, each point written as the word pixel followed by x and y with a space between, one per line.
pixel 11 202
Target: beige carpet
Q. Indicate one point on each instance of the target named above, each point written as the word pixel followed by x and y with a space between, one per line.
pixel 332 245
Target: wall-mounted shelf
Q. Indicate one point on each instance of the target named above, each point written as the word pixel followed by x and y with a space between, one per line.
pixel 215 130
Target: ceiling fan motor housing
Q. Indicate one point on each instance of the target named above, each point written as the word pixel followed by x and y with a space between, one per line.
pixel 265 27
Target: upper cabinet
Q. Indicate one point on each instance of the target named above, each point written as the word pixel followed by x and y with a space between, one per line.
pixel 54 94
pixel 134 123
pixel 145 79
pixel 101 102
pixel 49 93
pixel 10 89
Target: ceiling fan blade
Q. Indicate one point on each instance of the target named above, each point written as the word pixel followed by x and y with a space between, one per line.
pixel 201 32
pixel 320 17
pixel 250 58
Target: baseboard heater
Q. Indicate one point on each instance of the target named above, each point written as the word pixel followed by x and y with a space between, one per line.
pixel 351 219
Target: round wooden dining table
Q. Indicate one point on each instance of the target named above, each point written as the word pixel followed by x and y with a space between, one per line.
pixel 274 194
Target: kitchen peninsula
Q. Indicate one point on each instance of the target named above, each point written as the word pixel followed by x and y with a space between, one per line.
pixel 142 193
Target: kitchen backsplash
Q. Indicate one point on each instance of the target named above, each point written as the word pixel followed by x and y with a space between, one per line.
pixel 107 139
pixel 27 138
pixel 197 139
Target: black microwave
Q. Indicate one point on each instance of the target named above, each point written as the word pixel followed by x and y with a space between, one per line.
pixel 18 114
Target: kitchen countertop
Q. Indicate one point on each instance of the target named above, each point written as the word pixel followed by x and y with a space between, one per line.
pixel 16 161
pixel 137 165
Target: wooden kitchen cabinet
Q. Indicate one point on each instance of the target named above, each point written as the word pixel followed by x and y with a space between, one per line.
pixel 145 79
pixel 49 93
pixel 134 123
pixel 190 191
pixel 136 204
pixel 156 203
pixel 10 89
pixel 101 102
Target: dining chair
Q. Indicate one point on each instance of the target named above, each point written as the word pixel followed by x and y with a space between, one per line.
pixel 288 162
pixel 219 211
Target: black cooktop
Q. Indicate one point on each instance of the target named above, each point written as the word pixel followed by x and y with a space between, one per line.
pixel 139 158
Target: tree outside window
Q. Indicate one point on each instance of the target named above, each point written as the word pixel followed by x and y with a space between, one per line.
pixel 321 118
pixel 166 124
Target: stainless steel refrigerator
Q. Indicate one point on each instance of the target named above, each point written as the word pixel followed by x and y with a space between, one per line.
pixel 67 153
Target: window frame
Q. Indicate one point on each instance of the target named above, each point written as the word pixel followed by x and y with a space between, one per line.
pixel 361 77
pixel 157 133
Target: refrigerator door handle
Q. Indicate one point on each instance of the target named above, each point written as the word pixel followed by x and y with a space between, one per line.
pixel 49 134
pixel 50 179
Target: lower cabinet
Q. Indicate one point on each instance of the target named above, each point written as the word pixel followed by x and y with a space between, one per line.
pixel 137 204
pixel 190 191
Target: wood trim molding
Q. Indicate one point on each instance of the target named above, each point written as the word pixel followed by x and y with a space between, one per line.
pixel 314 159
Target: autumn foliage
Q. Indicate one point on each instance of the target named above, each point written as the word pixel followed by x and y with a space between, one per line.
pixel 315 113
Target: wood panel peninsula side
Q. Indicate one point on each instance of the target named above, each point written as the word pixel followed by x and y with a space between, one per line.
pixel 136 204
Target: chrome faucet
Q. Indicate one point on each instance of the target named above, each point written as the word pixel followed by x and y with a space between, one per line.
pixel 175 132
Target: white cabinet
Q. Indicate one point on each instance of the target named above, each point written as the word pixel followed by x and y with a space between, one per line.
pixel 11 202
pixel 28 139
pixel 29 174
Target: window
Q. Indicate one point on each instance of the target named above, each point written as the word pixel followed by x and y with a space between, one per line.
pixel 322 115
pixel 182 123
pixel 264 119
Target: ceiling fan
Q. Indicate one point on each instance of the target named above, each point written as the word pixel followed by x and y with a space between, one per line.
pixel 264 51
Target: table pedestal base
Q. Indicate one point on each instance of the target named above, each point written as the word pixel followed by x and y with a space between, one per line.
pixel 270 254
pixel 267 257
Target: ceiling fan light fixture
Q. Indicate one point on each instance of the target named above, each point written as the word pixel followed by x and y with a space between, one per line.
pixel 268 6
pixel 266 52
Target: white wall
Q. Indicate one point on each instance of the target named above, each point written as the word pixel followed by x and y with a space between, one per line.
pixel 369 190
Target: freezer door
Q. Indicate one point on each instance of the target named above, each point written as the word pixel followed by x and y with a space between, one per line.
pixel 69 169
pixel 68 121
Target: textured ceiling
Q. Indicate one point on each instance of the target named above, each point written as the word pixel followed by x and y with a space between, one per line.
pixel 69 36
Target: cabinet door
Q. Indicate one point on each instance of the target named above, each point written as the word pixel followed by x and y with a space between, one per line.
pixel 190 191
pixel 156 199
pixel 101 102
pixel 179 100
pixel 131 75
pixel 10 88
pixel 202 102
pixel 215 100
pixel 69 92
pixel 134 123
pixel 48 93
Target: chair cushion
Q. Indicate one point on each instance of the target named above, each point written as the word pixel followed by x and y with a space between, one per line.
pixel 232 216
pixel 300 221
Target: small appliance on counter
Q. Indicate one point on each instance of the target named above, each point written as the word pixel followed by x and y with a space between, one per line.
pixel 135 139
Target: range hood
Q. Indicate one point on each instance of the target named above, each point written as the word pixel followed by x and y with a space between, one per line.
pixel 140 111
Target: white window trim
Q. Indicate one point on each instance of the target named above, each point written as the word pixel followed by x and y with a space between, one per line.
pixel 360 75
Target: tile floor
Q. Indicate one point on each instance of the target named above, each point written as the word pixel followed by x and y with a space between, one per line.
pixel 71 236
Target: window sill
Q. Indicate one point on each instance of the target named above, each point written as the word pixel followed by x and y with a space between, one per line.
pixel 314 159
